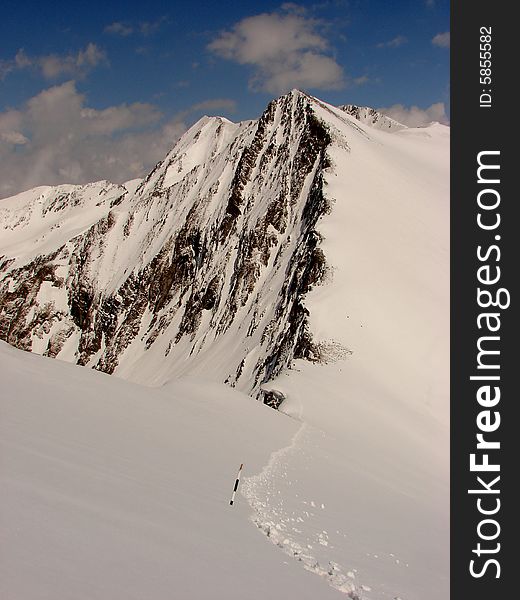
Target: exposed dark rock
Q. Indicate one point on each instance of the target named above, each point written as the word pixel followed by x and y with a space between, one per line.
pixel 16 324
pixel 272 398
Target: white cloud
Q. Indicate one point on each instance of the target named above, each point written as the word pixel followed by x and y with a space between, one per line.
pixel 72 65
pixel 414 116
pixel 357 81
pixel 55 138
pixel 144 28
pixel 286 50
pixel 21 60
pixel 399 40
pixel 52 66
pixel 13 137
pixel 294 8
pixel 148 28
pixel 442 40
pixel 119 28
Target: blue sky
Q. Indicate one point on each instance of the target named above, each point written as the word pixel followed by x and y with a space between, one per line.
pixel 112 74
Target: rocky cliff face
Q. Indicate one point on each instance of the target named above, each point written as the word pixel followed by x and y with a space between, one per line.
pixel 203 269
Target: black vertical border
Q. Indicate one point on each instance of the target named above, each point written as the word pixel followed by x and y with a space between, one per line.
pixel 475 129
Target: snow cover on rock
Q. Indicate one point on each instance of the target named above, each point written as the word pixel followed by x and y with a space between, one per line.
pixel 372 117
pixel 308 234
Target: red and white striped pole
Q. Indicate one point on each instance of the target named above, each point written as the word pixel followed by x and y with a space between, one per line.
pixel 236 485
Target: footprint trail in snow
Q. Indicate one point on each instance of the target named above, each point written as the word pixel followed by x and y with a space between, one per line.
pixel 291 521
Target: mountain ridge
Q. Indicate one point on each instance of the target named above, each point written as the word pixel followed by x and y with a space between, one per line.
pixel 153 276
pixel 210 255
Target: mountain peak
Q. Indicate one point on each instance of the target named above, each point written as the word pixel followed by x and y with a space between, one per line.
pixel 373 118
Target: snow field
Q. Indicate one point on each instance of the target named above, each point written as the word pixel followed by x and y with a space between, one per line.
pixel 114 490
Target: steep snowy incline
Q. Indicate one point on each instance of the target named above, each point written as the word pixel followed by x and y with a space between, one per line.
pixel 387 243
pixel 115 491
pixel 375 451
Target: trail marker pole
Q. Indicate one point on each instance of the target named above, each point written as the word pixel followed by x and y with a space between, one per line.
pixel 236 485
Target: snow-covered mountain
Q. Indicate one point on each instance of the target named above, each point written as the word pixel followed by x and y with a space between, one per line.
pixel 315 238
pixel 204 266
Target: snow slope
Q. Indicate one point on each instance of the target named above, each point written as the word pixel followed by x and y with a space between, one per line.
pixel 114 490
pixel 381 464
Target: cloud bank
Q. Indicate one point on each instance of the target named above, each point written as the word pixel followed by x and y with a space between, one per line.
pixel 285 50
pixel 144 28
pixel 56 138
pixel 414 116
pixel 52 66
